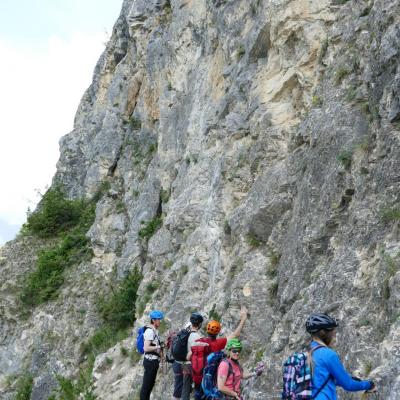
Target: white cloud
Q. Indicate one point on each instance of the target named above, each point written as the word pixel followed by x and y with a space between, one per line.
pixel 40 92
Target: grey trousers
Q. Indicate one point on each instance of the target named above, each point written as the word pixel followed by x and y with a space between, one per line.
pixel 187 381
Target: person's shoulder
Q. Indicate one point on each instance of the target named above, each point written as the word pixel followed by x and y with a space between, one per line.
pixel 149 332
pixel 325 352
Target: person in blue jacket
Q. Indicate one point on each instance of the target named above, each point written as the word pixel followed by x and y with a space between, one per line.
pixel 327 370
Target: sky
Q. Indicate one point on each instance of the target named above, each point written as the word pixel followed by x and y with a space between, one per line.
pixel 48 50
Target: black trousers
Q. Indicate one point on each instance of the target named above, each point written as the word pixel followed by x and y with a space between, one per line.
pixel 149 377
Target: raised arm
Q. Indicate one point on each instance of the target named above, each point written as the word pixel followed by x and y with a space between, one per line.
pixel 243 316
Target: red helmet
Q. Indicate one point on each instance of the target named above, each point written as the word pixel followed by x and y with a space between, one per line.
pixel 213 327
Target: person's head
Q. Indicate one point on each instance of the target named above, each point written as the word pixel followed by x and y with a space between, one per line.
pixel 196 319
pixel 156 317
pixel 213 328
pixel 233 348
pixel 322 327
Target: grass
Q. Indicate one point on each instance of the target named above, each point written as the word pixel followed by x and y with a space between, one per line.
pixel 259 355
pixel 124 351
pixel 71 247
pixel 24 387
pixel 150 228
pixel 252 240
pixel 340 74
pixel 345 158
pixel 316 101
pixel 390 214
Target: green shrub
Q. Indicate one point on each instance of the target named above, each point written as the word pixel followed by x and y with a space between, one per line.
pixel 118 311
pixel 72 248
pixel 345 158
pixel 55 214
pixel 24 387
pixel 150 228
pixel 152 287
pixel 82 388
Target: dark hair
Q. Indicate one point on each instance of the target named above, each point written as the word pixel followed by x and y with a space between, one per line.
pixel 325 335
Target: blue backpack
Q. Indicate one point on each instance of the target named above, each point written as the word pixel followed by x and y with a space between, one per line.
pixel 297 377
pixel 140 339
pixel 209 381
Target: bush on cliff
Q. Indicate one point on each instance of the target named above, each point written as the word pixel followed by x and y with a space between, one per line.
pixel 71 247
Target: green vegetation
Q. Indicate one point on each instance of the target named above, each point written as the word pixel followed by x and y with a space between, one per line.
pixel 118 310
pixel 72 245
pixel 165 194
pixel 152 148
pixel 259 355
pixel 351 93
pixel 213 314
pixel 240 52
pixel 227 228
pixel 135 123
pixel 184 270
pixel 120 207
pixel 146 297
pixel 68 389
pixel 118 314
pixel 390 214
pixel 24 387
pixel 323 50
pixel 273 290
pixel 55 214
pixel 252 240
pixel 345 157
pixel 340 74
pixel 151 228
pixel 163 327
pixel 392 266
pixel 316 101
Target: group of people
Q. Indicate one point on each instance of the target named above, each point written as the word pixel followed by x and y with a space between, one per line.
pixel 327 371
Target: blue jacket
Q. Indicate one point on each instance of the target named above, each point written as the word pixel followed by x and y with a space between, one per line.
pixel 326 362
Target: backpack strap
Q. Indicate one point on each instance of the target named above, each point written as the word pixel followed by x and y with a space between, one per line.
pixel 311 351
pixel 323 385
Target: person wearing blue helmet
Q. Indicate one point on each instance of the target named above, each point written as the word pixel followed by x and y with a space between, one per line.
pixel 152 354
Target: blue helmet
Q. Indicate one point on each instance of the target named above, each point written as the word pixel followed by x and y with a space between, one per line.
pixel 155 314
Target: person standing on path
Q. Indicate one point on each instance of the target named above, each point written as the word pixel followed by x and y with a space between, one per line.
pixel 152 351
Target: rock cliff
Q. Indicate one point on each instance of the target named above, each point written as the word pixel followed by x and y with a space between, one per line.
pixel 239 152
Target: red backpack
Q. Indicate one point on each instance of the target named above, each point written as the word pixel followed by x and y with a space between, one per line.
pixel 199 359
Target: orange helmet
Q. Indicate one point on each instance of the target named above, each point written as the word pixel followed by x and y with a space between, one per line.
pixel 213 327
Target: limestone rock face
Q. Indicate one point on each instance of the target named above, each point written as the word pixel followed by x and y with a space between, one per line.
pixel 265 134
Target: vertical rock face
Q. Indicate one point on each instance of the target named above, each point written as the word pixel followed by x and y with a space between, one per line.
pixel 265 135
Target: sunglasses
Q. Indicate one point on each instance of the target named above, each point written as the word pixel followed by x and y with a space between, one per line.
pixel 236 351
